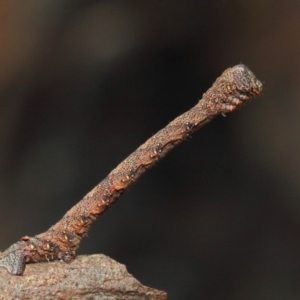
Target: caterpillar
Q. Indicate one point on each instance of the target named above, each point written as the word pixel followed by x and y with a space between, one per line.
pixel 232 89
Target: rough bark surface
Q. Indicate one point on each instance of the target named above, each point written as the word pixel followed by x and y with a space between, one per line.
pixel 87 277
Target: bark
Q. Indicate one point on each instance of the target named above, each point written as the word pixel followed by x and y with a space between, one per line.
pixel 87 277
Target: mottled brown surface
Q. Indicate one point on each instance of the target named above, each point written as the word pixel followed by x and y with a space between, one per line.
pixel 225 204
pixel 232 89
pixel 88 277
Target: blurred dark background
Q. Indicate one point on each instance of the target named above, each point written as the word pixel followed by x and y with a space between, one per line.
pixel 84 83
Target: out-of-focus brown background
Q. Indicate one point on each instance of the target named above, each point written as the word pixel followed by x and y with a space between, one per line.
pixel 84 83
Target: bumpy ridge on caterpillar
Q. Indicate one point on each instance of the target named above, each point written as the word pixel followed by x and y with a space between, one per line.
pixel 234 87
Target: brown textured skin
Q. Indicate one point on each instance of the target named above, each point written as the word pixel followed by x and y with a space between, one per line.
pixel 235 86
